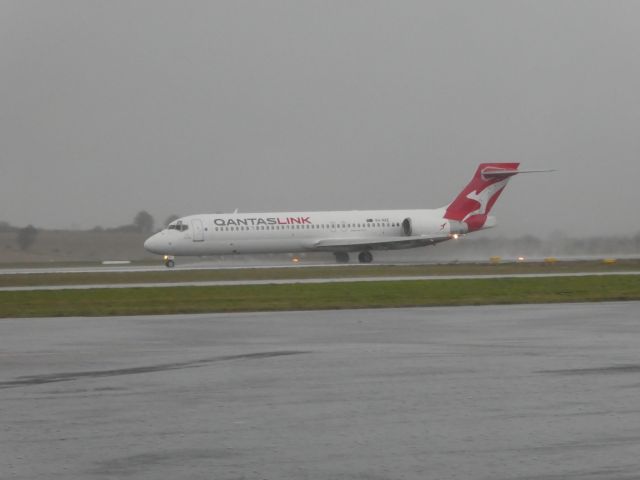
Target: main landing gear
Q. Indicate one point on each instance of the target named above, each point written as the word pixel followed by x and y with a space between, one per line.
pixel 363 257
pixel 342 257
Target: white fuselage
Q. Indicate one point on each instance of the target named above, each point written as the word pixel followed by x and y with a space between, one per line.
pixel 339 232
pixel 278 232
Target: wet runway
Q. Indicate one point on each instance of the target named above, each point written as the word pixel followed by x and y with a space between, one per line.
pixel 183 265
pixel 512 392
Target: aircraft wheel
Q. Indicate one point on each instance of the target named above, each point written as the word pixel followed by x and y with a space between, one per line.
pixel 169 264
pixel 365 257
pixel 342 257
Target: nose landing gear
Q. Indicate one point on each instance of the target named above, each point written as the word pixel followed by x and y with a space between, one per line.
pixel 168 261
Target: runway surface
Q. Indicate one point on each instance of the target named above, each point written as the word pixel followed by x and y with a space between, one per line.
pixel 190 266
pixel 512 392
pixel 233 264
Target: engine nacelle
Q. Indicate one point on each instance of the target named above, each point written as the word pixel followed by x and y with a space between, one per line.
pixel 418 226
pixel 457 228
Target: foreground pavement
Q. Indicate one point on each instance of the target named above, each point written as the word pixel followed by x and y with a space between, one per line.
pixel 511 392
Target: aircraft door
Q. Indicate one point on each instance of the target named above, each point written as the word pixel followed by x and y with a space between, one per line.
pixel 198 231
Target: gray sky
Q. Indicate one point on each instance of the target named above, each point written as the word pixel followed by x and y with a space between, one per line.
pixel 186 107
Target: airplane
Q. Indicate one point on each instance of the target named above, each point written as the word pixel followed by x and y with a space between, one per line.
pixel 339 232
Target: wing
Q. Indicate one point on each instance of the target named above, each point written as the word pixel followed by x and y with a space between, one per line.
pixel 377 243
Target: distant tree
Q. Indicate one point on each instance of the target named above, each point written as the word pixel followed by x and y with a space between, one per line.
pixel 26 237
pixel 130 228
pixel 143 222
pixel 171 218
pixel 6 227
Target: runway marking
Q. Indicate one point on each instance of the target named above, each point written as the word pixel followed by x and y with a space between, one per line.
pixel 596 371
pixel 67 376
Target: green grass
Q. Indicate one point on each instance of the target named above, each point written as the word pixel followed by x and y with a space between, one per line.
pixel 413 293
pixel 300 272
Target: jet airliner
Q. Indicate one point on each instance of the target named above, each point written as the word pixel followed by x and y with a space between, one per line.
pixel 339 232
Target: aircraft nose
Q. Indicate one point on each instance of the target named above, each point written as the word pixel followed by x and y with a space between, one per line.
pixel 152 244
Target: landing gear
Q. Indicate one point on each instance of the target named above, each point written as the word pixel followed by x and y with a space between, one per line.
pixel 342 257
pixel 168 261
pixel 365 257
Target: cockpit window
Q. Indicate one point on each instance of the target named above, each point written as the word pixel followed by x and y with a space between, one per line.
pixel 181 227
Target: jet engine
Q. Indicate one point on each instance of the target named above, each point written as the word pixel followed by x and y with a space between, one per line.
pixel 418 226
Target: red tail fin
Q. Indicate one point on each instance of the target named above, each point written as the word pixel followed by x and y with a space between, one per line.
pixel 474 203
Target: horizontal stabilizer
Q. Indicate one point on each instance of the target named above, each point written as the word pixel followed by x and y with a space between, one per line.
pixel 493 172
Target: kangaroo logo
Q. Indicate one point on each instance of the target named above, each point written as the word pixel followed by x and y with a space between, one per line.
pixel 484 197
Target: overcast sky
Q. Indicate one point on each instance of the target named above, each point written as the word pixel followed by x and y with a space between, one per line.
pixel 185 107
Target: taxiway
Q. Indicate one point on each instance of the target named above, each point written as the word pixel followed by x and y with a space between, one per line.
pixel 526 392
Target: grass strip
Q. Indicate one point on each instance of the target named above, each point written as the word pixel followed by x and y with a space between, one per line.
pixel 241 298
pixel 301 272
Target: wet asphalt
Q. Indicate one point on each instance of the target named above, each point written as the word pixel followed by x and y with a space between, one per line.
pixel 508 392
